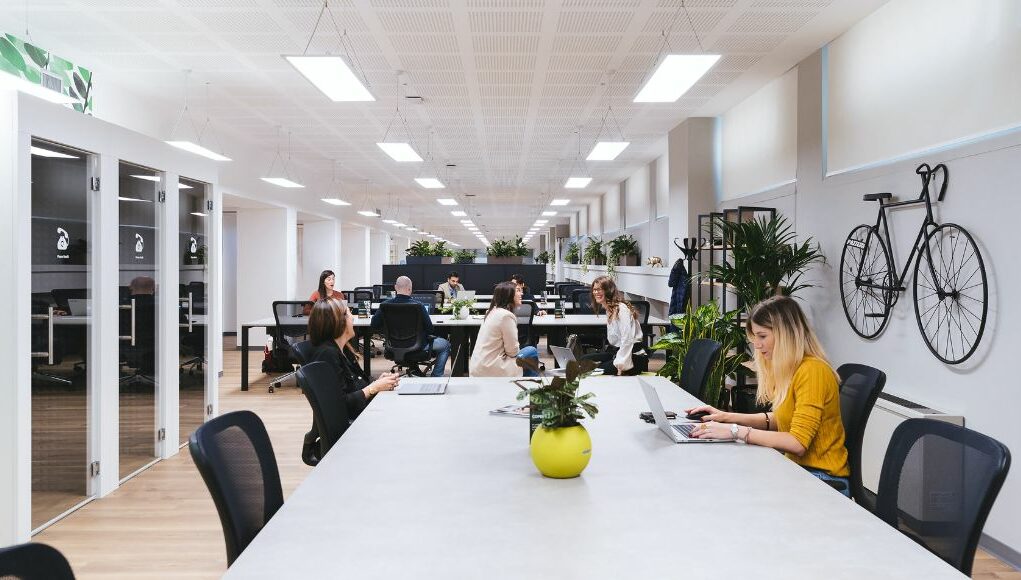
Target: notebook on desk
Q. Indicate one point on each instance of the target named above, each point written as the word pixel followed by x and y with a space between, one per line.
pixel 677 432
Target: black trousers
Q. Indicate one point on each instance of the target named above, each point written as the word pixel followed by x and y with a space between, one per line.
pixel 639 360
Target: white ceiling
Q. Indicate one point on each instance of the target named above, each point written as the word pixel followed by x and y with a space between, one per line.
pixel 504 83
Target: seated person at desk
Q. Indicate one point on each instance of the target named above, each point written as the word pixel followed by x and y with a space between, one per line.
pixel 801 388
pixel 326 282
pixel 496 347
pixel 437 345
pixel 526 294
pixel 625 354
pixel 451 287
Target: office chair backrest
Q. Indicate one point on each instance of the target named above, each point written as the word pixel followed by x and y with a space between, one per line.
pixel 698 365
pixel 303 351
pixel 235 458
pixel 34 562
pixel 318 381
pixel 433 299
pixel 860 386
pixel 356 297
pixel 938 484
pixel 582 299
pixel 525 315
pixel 290 318
pixel 368 289
pixel 403 327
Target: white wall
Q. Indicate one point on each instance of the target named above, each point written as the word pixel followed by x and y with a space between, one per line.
pixel 917 74
pixel 611 209
pixel 379 254
pixel 230 271
pixel 267 264
pixel 662 182
pixel 759 139
pixel 639 198
pixel 320 250
pixel 354 269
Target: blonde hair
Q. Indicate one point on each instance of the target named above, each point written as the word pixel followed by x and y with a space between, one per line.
pixel 611 298
pixel 793 340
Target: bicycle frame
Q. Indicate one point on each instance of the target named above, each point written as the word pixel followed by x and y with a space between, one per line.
pixel 928 225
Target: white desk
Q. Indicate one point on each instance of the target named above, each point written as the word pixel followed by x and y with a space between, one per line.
pixel 434 487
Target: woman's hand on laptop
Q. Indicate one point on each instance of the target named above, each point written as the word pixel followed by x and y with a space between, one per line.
pixel 385 382
pixel 712 430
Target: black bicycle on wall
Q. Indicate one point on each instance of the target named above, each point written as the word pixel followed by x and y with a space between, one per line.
pixel 951 294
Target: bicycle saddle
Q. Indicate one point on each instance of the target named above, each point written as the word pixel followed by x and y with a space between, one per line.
pixel 876 196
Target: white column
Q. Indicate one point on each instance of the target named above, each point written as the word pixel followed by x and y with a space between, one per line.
pixel 168 317
pixel 355 267
pixel 691 155
pixel 379 254
pixel 15 344
pixel 320 250
pixel 267 264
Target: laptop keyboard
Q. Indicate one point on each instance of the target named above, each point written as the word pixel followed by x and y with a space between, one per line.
pixel 685 429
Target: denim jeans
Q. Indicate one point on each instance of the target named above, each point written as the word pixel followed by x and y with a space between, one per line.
pixel 441 348
pixel 832 478
pixel 529 352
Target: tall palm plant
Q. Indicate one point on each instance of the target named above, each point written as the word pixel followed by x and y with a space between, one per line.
pixel 766 258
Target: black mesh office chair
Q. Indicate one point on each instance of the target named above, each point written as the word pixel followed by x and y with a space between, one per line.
pixel 303 351
pixel 433 299
pixel 525 315
pixel 369 289
pixel 939 482
pixel 291 328
pixel 329 413
pixel 643 308
pixel 582 301
pixel 698 365
pixel 355 298
pixel 403 330
pixel 860 386
pixel 34 562
pixel 234 455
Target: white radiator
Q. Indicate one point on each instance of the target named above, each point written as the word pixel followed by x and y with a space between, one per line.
pixel 888 413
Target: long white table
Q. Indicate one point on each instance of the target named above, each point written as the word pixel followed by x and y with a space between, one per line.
pixel 434 487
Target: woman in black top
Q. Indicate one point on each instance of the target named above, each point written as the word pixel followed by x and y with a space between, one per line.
pixel 330 328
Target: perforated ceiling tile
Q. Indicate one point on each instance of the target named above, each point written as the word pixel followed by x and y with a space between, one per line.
pixel 334 4
pixel 505 77
pixel 585 43
pixel 505 44
pixel 449 62
pixel 771 22
pixel 431 92
pixel 183 43
pixel 574 77
pixel 737 62
pixel 410 3
pixel 505 90
pixel 638 62
pixel 488 22
pixel 136 21
pixel 747 42
pixel 263 43
pixel 593 22
pixel 579 62
pixel 304 20
pixel 504 62
pixel 570 90
pixel 240 22
pixel 703 21
pixel 424 43
pixel 416 21
pixel 216 4
pixel 793 4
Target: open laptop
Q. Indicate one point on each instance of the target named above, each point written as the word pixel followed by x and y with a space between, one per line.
pixel 677 432
pixel 464 295
pixel 436 388
pixel 79 306
pixel 564 355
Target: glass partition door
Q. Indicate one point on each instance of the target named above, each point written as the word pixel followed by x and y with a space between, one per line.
pixel 194 339
pixel 139 207
pixel 61 324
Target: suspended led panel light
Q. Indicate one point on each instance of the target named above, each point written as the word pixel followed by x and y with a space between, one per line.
pixel 607 150
pixel 674 76
pixel 430 182
pixel 282 182
pixel 401 152
pixel 560 202
pixel 577 182
pixel 334 201
pixel 332 76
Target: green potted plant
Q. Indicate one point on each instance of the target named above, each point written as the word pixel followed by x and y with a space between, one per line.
pixel 573 254
pixel 422 252
pixel 594 254
pixel 560 446
pixel 507 251
pixel 706 321
pixel 464 257
pixel 460 308
pixel 765 259
pixel 624 251
pixel 543 257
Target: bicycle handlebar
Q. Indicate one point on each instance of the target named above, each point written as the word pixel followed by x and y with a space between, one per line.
pixel 927 174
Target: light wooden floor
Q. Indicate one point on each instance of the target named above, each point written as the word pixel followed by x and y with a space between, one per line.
pixel 162 523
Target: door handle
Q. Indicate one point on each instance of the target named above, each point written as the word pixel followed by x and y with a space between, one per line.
pixel 130 307
pixel 48 353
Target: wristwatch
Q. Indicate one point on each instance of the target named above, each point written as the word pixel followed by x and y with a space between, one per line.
pixel 734 427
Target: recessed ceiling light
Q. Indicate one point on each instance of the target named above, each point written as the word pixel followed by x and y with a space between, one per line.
pixel 577 182
pixel 39 151
pixel 447 201
pixel 335 201
pixel 466 221
pixel 560 202
pixel 674 76
pixel 607 150
pixel 197 149
pixel 390 221
pixel 368 213
pixel 541 222
pixel 282 182
pixel 549 213
pixel 399 225
pixel 411 229
pixel 399 151
pixel 458 213
pixel 429 182
pixel 332 76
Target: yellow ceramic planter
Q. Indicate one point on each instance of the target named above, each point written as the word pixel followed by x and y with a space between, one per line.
pixel 561 453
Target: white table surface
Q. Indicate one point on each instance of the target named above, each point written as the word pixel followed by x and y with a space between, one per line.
pixel 435 487
pixel 548 320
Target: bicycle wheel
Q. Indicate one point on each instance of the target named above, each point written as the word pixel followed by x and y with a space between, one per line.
pixel 951 294
pixel 867 308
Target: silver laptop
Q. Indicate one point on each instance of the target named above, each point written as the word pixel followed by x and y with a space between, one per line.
pixel 563 356
pixel 79 306
pixel 436 388
pixel 464 295
pixel 678 432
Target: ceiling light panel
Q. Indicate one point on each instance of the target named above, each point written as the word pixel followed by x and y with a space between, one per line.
pixel 607 150
pixel 674 76
pixel 400 152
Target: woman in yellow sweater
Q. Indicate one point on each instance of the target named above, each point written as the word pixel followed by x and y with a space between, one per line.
pixel 801 388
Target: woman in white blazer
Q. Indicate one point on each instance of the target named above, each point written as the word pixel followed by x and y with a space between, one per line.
pixel 496 347
pixel 625 354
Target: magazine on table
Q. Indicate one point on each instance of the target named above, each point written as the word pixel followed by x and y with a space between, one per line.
pixel 511 411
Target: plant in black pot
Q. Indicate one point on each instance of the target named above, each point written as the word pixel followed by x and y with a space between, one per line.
pixel 623 252
pixel 422 252
pixel 543 257
pixel 507 251
pixel 573 254
pixel 594 254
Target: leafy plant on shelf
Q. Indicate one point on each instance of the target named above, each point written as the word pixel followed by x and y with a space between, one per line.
pixel 420 248
pixel 507 248
pixel 558 401
pixel 441 249
pixel 594 254
pixel 766 258
pixel 544 257
pixel 623 245
pixel 464 257
pixel 573 253
pixel 706 321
